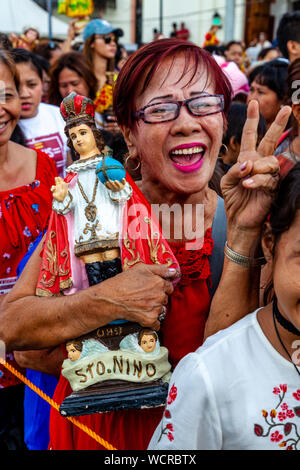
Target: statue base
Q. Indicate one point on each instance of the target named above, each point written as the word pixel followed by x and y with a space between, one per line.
pixel 114 395
pixel 113 372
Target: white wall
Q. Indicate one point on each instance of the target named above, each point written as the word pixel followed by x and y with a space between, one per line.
pixel 121 18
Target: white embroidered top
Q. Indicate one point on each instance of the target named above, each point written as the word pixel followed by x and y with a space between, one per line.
pixel 235 392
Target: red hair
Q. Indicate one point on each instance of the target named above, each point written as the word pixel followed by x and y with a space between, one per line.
pixel 140 67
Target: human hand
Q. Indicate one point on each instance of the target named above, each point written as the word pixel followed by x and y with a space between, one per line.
pixel 248 187
pixel 116 185
pixel 60 189
pixel 140 292
pixel 72 29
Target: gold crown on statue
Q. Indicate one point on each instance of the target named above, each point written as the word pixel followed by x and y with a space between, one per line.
pixel 75 107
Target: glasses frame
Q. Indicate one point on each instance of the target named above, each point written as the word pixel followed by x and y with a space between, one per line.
pixel 140 113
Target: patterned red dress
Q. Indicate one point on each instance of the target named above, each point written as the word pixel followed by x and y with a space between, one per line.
pixel 24 214
pixel 182 332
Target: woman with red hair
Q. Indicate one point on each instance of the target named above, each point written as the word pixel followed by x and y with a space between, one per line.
pixel 170 101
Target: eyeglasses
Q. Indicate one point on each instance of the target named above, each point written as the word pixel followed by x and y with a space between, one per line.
pixel 202 105
pixel 106 39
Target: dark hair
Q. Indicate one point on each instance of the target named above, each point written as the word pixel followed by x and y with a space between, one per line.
pixel 141 66
pixel 21 56
pixel 78 63
pixel 88 53
pixel 286 203
pixel 5 43
pixel 44 63
pixel 7 59
pixel 236 118
pixel 233 43
pixel 288 30
pixel 272 74
pixel 283 211
pixel 45 48
pixel 18 136
pixel 265 51
pixel 293 75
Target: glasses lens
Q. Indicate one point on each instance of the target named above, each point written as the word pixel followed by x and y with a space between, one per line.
pixel 108 39
pixel 204 105
pixel 160 112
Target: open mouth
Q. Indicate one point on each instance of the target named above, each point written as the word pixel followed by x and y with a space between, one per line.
pixel 188 158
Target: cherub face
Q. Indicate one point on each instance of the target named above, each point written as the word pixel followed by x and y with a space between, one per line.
pixel 73 353
pixel 148 343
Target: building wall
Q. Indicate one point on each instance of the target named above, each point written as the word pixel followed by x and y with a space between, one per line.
pixel 121 17
pixel 196 14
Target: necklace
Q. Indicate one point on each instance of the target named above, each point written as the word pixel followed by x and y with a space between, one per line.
pixel 91 209
pixel 278 335
pixel 287 325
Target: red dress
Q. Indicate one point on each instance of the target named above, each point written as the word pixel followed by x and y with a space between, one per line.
pixel 24 214
pixel 182 332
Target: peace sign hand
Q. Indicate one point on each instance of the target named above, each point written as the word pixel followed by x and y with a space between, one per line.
pixel 248 187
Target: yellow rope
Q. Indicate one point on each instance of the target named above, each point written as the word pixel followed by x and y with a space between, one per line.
pixel 55 405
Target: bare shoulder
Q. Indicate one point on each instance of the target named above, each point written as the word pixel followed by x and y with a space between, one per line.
pixel 25 154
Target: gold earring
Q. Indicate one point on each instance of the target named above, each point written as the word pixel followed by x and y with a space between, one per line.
pixel 129 157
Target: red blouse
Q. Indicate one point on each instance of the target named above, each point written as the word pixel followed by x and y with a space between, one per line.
pixel 182 332
pixel 24 214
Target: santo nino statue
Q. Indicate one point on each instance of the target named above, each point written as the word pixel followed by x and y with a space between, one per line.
pixel 88 241
pixel 95 206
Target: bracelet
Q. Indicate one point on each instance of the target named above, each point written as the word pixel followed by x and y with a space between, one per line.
pixel 241 259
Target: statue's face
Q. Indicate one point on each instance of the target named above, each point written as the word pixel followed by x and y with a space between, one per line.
pixel 148 343
pixel 83 139
pixel 73 353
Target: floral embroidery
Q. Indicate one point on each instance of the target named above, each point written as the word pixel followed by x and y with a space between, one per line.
pixel 277 426
pixel 297 395
pixel 172 394
pixel 168 429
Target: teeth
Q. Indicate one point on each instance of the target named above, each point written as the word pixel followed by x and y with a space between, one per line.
pixel 3 125
pixel 189 151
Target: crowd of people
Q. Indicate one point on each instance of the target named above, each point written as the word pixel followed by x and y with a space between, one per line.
pixel 216 126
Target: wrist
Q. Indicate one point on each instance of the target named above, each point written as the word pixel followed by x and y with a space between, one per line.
pixel 245 241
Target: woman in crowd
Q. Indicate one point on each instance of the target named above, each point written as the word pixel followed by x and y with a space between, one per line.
pixel 268 86
pixel 170 99
pixel 26 176
pixel 288 150
pixel 100 48
pixel 240 390
pixel 234 51
pixel 41 123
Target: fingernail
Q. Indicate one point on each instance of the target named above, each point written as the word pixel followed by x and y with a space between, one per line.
pixel 172 270
pixel 243 166
pixel 250 181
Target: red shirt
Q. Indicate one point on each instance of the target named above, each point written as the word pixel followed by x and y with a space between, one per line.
pixel 24 214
